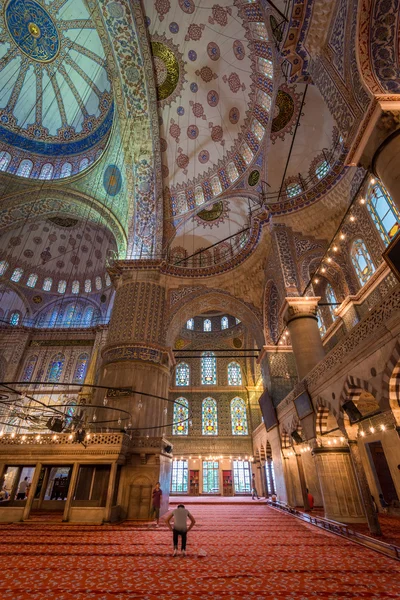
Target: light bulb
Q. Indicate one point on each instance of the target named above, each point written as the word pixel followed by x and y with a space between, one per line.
pixel 316 280
pixel 329 259
pixel 362 433
pixel 372 429
pixel 373 180
pixel 362 200
pixel 70 436
pixel 129 424
pixel 335 248
pixel 383 427
pixel 94 418
pixel 323 270
pixel 352 218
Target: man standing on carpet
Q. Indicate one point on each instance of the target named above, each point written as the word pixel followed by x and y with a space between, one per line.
pixel 254 488
pixel 156 502
pixel 180 528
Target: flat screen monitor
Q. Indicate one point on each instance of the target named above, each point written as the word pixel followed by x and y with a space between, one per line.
pixel 303 405
pixel 267 410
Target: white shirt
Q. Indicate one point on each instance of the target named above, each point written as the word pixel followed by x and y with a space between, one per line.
pixel 180 519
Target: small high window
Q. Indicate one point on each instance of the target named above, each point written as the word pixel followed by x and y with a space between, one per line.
pixel 293 190
pixel 5 159
pixel 181 415
pixel 361 260
pixel 32 280
pixel 15 318
pixel 108 280
pixel 98 283
pixel 233 173
pixel 208 368
pixel 81 368
pixel 25 168
pixel 3 266
pixel 88 286
pixel 46 171
pixel 75 287
pixel 182 374
pixel 55 368
pixel 209 415
pixel 322 170
pixel 62 286
pixel 224 323
pixel 332 300
pixel 87 316
pixel 234 374
pixel 190 324
pixel 17 274
pixel 47 283
pixel 206 325
pixel 66 170
pixel 83 164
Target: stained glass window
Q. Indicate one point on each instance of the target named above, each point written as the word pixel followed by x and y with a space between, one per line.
pixel 75 287
pixel 108 280
pixel 331 298
pixel 208 368
pixel 264 100
pixel 190 324
pixel 69 315
pixel 29 368
pixel 70 412
pixel 55 368
pixel 182 374
pixel 81 368
pixel 179 478
pixel 293 190
pixel 5 159
pixel 62 286
pixel 99 283
pixel 209 416
pixel 247 154
pixel 199 195
pixel 88 286
pixel 47 283
pixel 181 415
pixel 3 266
pixel 46 171
pixel 361 260
pixel 83 164
pixel 257 129
pixel 321 325
pixel 206 325
pixel 17 274
pixel 232 172
pixel 87 316
pixel 15 318
pixel 239 417
pixel 216 185
pixel 242 476
pixel 260 30
pixel 322 169
pixel 25 168
pixel 32 279
pixel 66 170
pixel 265 67
pixel 210 477
pixel 224 323
pixel 234 374
pixel 383 212
pixel 53 318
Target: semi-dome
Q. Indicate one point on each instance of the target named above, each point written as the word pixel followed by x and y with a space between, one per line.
pixel 56 101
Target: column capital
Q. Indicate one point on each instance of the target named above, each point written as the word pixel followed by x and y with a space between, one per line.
pixel 297 307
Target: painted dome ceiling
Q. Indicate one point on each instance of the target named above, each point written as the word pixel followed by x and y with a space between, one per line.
pixel 55 94
pixel 214 77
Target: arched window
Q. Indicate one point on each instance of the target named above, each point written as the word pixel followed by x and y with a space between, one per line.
pixel 55 368
pixel 25 167
pixel 234 374
pixel 321 324
pixel 17 274
pixel 233 173
pixel 88 286
pixel 15 318
pixel 81 368
pixel 181 415
pixel 208 368
pixel 209 417
pixel 46 171
pixel 361 260
pixel 108 280
pixel 322 169
pixel 5 159
pixel 83 164
pixel 47 283
pixel 224 323
pixel 3 266
pixel 98 283
pixel 239 417
pixel 70 410
pixel 53 318
pixel 62 286
pixel 383 212
pixel 32 279
pixel 75 287
pixel 293 190
pixel 66 170
pixel 216 185
pixel 182 374
pixel 206 325
pixel 332 300
pixel 190 324
pixel 199 195
pixel 29 368
pixel 69 315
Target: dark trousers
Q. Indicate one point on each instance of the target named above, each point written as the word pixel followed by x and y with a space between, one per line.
pixel 176 534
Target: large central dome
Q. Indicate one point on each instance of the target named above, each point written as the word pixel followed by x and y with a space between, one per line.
pixel 56 98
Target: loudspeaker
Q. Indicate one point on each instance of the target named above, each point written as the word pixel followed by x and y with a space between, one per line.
pixel 352 411
pixel 55 424
pixel 297 437
pixel 168 449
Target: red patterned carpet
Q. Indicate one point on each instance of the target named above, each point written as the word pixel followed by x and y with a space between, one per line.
pixel 253 552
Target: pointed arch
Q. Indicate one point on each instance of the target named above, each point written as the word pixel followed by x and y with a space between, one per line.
pixel 239 417
pixel 209 416
pixel 180 417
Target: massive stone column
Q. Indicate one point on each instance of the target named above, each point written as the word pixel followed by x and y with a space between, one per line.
pixel 300 315
pixel 135 357
pixel 338 485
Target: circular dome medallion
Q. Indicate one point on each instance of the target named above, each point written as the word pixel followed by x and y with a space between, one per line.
pixel 32 29
pixel 167 70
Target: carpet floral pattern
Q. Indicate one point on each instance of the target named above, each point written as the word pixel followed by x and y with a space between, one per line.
pixel 253 552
